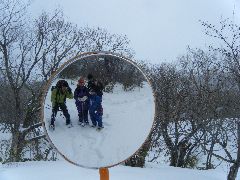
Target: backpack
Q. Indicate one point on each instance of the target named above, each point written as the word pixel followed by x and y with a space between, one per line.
pixel 62 83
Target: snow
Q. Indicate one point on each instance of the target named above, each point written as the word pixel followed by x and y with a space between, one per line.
pixel 119 139
pixel 105 142
pixel 128 118
pixel 62 170
pixel 5 136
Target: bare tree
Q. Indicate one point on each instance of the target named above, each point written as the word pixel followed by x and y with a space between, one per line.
pixel 99 39
pixel 29 53
pixel 189 102
pixel 228 33
pixel 212 92
pixel 171 89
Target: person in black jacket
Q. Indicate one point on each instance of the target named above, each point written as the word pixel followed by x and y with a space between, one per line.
pixel 94 86
pixel 95 95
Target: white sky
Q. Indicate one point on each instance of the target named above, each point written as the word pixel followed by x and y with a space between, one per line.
pixel 49 170
pixel 159 30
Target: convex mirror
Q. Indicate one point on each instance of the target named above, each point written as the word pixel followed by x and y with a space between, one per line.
pixel 95 87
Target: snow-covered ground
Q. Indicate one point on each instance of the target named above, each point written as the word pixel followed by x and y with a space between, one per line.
pixel 61 170
pixel 78 142
pixel 128 118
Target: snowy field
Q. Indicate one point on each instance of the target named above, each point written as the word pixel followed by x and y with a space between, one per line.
pixel 85 141
pixel 127 120
pixel 61 170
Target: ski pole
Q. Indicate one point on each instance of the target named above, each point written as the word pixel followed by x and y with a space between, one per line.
pixel 82 114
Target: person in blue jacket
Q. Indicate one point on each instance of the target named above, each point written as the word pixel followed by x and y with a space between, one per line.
pixel 81 96
pixel 95 109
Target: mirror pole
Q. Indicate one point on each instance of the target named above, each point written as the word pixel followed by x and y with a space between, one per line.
pixel 104 174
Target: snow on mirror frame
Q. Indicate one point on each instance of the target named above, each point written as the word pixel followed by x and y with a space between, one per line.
pixel 128 111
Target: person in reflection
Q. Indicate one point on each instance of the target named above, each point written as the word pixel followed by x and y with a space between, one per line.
pixel 58 98
pixel 82 101
pixel 94 86
pixel 95 109
pixel 90 82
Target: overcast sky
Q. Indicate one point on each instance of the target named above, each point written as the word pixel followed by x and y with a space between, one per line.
pixel 159 30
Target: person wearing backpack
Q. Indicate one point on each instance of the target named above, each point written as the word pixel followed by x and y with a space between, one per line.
pixel 82 102
pixel 58 98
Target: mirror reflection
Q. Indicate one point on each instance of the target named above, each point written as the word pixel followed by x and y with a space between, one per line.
pixel 99 110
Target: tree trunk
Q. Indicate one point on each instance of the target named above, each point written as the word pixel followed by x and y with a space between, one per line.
pixel 174 158
pixel 233 171
pixel 234 168
pixel 17 146
pixel 178 156
pixel 17 143
pixel 209 156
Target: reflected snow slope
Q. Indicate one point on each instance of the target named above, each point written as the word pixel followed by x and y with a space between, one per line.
pixel 127 121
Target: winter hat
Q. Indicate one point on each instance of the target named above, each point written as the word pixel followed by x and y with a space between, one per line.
pixel 90 76
pixel 62 83
pixel 81 80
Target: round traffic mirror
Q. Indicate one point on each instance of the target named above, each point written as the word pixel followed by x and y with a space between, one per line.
pixel 98 109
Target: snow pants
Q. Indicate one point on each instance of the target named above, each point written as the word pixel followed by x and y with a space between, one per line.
pixel 82 108
pixel 63 108
pixel 96 110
